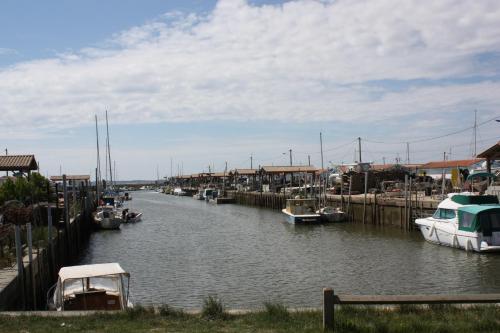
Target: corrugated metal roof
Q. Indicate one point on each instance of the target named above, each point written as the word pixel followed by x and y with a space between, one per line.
pixel 70 177
pixel 289 169
pixel 492 153
pixel 18 163
pixel 451 164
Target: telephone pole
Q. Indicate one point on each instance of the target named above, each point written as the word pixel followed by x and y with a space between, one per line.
pixel 407 153
pixel 290 156
pixel 475 133
pixel 251 161
pixel 359 146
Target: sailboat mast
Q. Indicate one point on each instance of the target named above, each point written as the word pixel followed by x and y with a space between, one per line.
pixel 98 173
pixel 109 151
pixel 321 149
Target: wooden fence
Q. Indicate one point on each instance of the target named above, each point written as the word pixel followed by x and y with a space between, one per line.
pixel 330 299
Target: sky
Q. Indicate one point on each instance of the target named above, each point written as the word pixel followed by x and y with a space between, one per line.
pixel 192 84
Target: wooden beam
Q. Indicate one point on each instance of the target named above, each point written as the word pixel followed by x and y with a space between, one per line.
pixel 417 299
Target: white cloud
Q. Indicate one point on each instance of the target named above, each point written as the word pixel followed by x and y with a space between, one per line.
pixel 304 60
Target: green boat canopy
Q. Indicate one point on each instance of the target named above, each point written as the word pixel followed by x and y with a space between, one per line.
pixel 478 218
pixel 481 174
pixel 474 199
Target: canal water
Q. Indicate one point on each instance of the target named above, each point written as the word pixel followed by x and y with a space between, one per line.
pixel 184 250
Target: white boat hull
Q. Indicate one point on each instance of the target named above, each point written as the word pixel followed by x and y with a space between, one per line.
pixel 302 219
pixel 446 233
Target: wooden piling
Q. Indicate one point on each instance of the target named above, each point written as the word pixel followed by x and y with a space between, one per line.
pixel 328 309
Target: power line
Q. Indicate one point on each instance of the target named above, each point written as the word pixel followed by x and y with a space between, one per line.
pixel 435 137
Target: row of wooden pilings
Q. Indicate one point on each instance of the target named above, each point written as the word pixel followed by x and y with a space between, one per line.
pixel 65 240
pixel 371 209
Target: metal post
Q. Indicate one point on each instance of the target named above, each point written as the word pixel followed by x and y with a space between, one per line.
pixel 290 157
pixel 20 266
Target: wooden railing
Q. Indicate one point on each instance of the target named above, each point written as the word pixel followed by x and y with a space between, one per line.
pixel 330 300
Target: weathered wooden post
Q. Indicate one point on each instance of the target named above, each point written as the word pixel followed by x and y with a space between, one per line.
pixel 328 309
pixel 349 198
pixel 50 241
pixel 66 217
pixel 364 200
pixel 342 192
pixel 406 203
pixel 30 259
pixel 20 266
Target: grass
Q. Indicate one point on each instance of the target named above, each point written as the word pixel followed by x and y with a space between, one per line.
pixel 273 318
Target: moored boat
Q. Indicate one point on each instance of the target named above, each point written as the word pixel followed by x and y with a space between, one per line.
pixel 90 287
pixel 108 217
pixel 131 216
pixel 464 221
pixel 331 214
pixel 301 211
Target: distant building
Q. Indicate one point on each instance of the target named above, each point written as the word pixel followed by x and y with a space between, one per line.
pixel 436 169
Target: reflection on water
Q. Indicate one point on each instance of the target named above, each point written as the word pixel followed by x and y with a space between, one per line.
pixel 185 249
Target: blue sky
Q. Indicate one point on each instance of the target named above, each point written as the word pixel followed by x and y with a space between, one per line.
pixel 204 82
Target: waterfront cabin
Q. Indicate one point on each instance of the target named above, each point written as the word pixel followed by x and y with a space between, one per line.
pixel 91 287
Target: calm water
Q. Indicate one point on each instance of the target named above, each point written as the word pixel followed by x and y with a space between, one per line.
pixel 185 249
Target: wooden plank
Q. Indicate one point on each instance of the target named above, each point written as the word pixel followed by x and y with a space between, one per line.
pixel 417 299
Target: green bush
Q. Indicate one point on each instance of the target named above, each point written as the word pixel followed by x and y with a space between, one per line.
pixel 213 308
pixel 24 190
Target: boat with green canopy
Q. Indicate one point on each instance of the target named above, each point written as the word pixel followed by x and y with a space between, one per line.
pixel 466 221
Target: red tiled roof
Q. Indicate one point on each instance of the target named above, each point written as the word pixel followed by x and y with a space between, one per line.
pixel 289 169
pixel 451 164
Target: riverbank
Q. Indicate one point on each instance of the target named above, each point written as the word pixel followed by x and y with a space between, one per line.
pixel 274 318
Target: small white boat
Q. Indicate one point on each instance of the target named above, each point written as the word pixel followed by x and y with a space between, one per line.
pixel 90 287
pixel 210 194
pixel 180 192
pixel 464 221
pixel 199 195
pixel 301 211
pixel 331 214
pixel 108 217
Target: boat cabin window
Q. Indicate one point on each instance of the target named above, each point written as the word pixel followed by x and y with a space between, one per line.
pixel 490 222
pixel 442 213
pixel 467 220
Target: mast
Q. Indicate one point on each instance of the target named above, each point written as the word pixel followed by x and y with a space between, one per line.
pixel 98 170
pixel 322 165
pixel 475 133
pixel 109 151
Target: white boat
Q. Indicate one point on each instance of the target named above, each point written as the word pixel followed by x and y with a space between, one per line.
pixel 199 195
pixel 464 221
pixel 209 194
pixel 108 217
pixel 179 191
pixel 331 214
pixel 90 287
pixel 301 211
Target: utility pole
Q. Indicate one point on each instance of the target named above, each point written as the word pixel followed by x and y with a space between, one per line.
pixel 383 160
pixel 309 159
pixel 251 161
pixel 475 133
pixel 407 153
pixel 359 146
pixel 290 157
pixel 6 153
